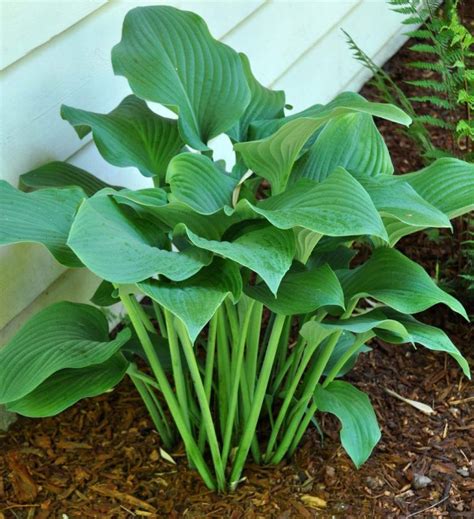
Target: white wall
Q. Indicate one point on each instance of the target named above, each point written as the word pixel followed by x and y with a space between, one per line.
pixel 58 51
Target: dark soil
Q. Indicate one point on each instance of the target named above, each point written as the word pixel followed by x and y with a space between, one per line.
pixel 102 459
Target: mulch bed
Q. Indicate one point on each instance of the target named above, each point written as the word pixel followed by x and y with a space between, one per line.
pixel 102 458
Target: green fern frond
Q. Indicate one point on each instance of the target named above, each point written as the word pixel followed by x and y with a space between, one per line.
pixel 424 47
pixel 434 100
pixel 437 153
pixel 426 65
pixel 433 121
pixel 413 20
pixel 431 84
pixel 420 34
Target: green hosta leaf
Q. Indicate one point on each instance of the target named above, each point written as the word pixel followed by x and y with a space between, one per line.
pixel 196 181
pixel 447 184
pixel 338 206
pixel 351 141
pixel 264 104
pixel 396 281
pixel 63 335
pixel 211 226
pixel 273 157
pixel 371 321
pixel 66 387
pixel 267 251
pixel 105 295
pixel 130 135
pixel 169 56
pixel 345 342
pixel 62 174
pixel 43 216
pixel 149 197
pixel 134 347
pixel 306 241
pixel 120 247
pixel 313 333
pixel 360 431
pixel 395 198
pixel 338 257
pixel 344 103
pixel 428 336
pixel 301 292
pixel 196 299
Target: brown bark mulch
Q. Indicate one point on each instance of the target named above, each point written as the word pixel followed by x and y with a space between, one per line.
pixel 102 458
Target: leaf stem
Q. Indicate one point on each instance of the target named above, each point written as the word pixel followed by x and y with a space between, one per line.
pixel 203 403
pixel 310 385
pixel 177 365
pixel 189 442
pixel 210 355
pixel 157 417
pixel 257 402
pixel 236 380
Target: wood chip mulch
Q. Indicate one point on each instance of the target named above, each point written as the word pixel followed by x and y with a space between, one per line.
pixel 102 458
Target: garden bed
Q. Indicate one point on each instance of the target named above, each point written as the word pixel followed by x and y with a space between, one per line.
pixel 102 457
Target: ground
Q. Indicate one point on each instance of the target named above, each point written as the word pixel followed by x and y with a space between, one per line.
pixel 102 458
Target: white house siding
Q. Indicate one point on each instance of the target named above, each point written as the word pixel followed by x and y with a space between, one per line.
pixel 58 51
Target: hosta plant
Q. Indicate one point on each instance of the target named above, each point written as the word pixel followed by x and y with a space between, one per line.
pixel 257 301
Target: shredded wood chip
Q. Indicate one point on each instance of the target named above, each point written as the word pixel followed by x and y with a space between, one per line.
pixel 313 501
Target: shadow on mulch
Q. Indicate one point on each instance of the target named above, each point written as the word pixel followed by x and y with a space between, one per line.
pixel 101 458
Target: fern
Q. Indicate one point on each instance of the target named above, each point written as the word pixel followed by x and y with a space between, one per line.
pixel 430 84
pixel 435 121
pixel 437 101
pixel 392 93
pixel 446 53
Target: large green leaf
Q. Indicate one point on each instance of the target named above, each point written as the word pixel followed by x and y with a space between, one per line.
pixel 150 197
pixel 266 250
pixel 447 184
pixel 198 182
pixel 169 56
pixel 397 199
pixel 209 226
pixel 66 387
pixel 392 278
pixel 360 431
pixel 105 295
pixel 344 343
pixel 428 336
pixel 63 335
pixel 273 157
pixel 264 104
pixel 371 321
pixel 343 103
pixel 130 135
pixel 351 141
pixel 338 206
pixel 43 216
pixel 120 247
pixel 62 174
pixel 301 292
pixel 196 299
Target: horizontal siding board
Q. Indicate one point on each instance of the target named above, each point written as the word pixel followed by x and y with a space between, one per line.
pixel 27 25
pixel 25 271
pixel 294 46
pixel 76 286
pixel 75 69
pixel 329 66
pixel 281 31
